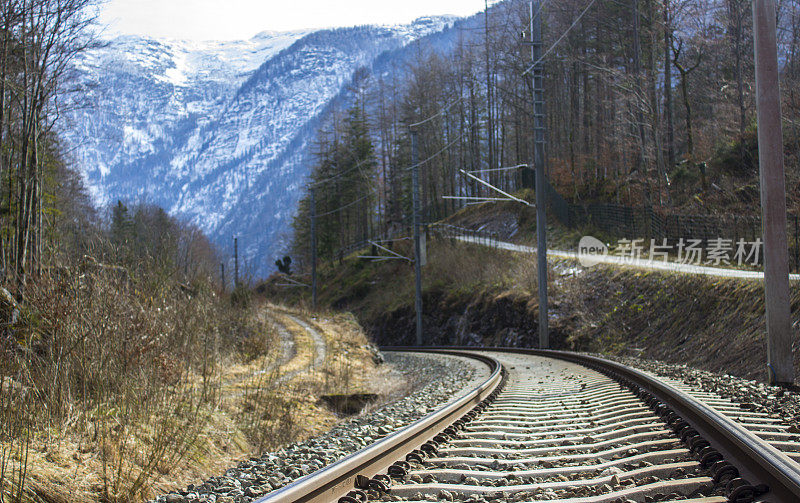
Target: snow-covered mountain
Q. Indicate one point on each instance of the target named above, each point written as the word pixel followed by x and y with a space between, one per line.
pixel 217 133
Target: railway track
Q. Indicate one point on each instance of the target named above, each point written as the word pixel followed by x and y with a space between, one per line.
pixel 553 426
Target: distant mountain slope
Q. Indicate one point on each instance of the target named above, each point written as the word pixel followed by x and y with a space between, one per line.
pixel 218 133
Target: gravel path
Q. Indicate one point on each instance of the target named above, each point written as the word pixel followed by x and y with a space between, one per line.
pixel 433 379
pixel 288 348
pixel 641 263
pixel 320 351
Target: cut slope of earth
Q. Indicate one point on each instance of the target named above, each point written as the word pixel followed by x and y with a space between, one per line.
pixel 474 295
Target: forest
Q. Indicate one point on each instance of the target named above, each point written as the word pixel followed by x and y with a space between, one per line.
pixel 110 317
pixel 648 103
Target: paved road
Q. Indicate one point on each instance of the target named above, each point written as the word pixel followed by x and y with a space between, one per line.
pixel 657 265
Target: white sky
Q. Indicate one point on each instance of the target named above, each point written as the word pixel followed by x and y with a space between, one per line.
pixel 241 19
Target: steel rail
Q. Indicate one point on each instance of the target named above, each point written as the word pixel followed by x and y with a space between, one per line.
pixel 757 461
pixel 336 480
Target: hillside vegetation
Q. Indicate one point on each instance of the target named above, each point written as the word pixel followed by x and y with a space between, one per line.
pixel 126 369
pixel 164 392
pixel 649 107
pixel 648 104
pixel 476 295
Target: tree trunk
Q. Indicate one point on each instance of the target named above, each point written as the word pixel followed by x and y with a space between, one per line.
pixel 637 71
pixel 489 111
pixel 668 85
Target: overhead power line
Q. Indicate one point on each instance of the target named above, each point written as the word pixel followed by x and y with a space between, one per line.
pixel 484 182
pixel 437 153
pixel 437 114
pixel 389 240
pixel 340 208
pixel 550 49
pixel 478 199
pixel 394 254
pixel 508 168
pixel 369 194
pixel 339 175
pixel 365 161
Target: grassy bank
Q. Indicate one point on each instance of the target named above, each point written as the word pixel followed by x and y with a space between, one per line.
pixel 477 295
pixel 117 388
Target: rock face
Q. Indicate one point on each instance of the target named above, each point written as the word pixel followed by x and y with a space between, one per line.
pixel 219 133
pixel 485 319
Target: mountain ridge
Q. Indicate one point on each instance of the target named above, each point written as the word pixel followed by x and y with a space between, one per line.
pixel 212 133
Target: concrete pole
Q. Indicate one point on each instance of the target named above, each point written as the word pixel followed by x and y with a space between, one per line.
pixel 313 250
pixel 541 255
pixel 417 246
pixel 235 262
pixel 538 154
pixel 773 195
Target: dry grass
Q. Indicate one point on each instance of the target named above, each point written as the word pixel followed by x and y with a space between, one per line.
pixel 713 324
pixel 717 324
pixel 113 391
pixel 456 267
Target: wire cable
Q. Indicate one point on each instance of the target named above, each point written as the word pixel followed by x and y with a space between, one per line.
pixel 407 238
pixel 340 208
pixel 509 168
pixel 437 114
pixel 436 154
pixel 339 175
pixel 563 35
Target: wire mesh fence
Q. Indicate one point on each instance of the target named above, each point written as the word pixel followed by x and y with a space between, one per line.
pixel 646 222
pixel 617 221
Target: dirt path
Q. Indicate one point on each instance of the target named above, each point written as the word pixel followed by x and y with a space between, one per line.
pixel 320 346
pixel 320 350
pixel 290 357
pixel 288 348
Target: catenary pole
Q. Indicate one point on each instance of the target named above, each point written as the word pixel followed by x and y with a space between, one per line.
pixel 313 251
pixel 235 262
pixel 417 246
pixel 538 154
pixel 541 256
pixel 773 195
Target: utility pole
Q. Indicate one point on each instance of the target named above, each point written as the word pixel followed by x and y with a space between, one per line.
pixel 489 91
pixel 313 251
pixel 541 255
pixel 417 247
pixel 773 195
pixel 538 154
pixel 235 262
pixel 222 275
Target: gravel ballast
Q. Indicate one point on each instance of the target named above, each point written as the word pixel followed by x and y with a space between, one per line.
pixel 433 380
pixel 751 395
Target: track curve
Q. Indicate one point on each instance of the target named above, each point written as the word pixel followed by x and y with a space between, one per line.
pixel 565 427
